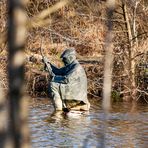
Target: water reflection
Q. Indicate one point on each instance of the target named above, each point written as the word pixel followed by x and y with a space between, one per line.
pixel 125 126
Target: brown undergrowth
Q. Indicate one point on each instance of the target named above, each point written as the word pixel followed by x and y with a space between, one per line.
pixel 37 79
pixel 82 25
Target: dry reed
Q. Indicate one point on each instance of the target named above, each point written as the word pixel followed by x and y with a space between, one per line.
pixel 80 24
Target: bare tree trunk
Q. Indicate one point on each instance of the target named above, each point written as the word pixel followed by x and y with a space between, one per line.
pixel 18 131
pixel 107 85
pixel 130 66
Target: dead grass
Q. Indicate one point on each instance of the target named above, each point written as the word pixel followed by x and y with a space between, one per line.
pixel 81 24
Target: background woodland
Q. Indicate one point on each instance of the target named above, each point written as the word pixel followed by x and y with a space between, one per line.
pixel 83 25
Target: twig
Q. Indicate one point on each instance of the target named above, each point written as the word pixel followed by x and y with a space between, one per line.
pixel 141 91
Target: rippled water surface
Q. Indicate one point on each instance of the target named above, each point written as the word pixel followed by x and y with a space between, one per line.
pixel 126 126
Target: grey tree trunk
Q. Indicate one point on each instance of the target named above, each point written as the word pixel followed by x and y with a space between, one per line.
pixel 18 131
pixel 107 84
pixel 130 66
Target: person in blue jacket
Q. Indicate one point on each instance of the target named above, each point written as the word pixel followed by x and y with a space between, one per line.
pixel 68 86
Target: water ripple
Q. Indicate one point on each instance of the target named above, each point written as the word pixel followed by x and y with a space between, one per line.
pixel 121 128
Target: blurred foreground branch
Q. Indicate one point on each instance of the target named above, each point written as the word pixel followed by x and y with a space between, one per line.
pixel 3 117
pixel 39 20
pixel 107 84
pixel 42 18
pixel 18 134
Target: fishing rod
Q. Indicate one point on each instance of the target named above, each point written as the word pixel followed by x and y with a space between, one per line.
pixel 45 60
pixel 41 48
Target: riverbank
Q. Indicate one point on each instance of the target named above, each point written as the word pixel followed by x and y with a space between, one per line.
pixel 83 25
pixel 36 79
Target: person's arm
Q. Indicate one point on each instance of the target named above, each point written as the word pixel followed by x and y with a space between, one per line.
pixel 59 74
pixel 58 71
pixel 51 68
pixel 71 75
pixel 47 66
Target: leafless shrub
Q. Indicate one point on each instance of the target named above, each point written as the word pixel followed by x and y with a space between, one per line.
pixel 82 25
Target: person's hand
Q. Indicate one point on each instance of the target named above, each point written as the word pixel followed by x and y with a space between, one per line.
pixel 45 59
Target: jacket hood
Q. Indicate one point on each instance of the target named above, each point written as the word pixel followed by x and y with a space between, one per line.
pixel 68 56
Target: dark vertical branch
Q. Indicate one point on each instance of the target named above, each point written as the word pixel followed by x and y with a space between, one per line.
pixel 3 119
pixel 16 44
pixel 127 23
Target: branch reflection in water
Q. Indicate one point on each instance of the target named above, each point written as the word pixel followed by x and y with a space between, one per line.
pixel 125 127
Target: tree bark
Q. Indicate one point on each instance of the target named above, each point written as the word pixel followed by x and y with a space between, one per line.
pixel 3 118
pixel 18 131
pixel 107 84
pixel 130 66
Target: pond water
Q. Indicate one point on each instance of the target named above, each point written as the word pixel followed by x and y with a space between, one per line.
pixel 126 126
